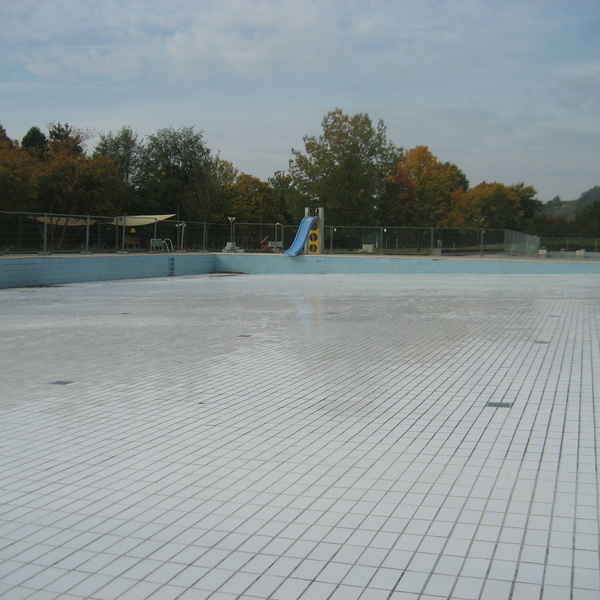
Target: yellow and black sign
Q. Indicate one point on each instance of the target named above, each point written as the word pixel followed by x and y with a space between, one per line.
pixel 314 239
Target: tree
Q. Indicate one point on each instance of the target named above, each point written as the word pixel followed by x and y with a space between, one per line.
pixel 18 182
pixel 169 159
pixel 344 169
pixel 209 191
pixel 35 143
pixel 588 220
pixel 124 148
pixel 434 184
pixel 397 206
pixel 590 197
pixel 559 208
pixel 498 205
pixel 552 226
pixel 529 205
pixel 74 185
pixel 254 201
pixel 65 138
pixel 494 205
pixel 286 197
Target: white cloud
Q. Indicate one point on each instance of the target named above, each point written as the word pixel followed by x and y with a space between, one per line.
pixel 68 64
pixel 82 38
pixel 480 82
pixel 579 85
pixel 253 39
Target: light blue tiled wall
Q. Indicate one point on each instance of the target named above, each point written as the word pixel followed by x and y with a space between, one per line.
pixel 281 264
pixel 49 270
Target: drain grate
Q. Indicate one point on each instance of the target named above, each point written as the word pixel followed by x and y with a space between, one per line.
pixel 500 404
pixel 244 335
pixel 60 382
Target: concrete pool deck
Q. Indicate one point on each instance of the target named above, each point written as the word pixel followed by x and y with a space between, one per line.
pixel 409 436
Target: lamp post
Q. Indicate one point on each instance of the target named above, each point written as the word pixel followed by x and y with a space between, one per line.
pixel 481 234
pixel 231 221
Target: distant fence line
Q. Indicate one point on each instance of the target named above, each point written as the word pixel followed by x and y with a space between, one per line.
pixel 571 244
pixel 51 232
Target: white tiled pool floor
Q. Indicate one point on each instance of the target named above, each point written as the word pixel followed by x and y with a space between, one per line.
pixel 301 437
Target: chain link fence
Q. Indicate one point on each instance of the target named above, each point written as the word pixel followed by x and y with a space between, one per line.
pixel 35 233
pixel 571 244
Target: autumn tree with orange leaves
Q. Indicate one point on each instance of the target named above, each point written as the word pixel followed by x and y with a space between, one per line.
pixel 494 205
pixel 426 187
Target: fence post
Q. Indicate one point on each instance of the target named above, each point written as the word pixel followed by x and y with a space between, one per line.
pixel 45 232
pixel 87 233
pixel 182 227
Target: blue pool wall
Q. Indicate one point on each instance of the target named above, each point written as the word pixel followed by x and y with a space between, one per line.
pixel 58 269
pixel 381 265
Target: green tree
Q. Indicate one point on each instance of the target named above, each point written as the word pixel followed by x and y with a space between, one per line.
pixel 344 169
pixel 529 205
pixel 35 143
pixel 287 198
pixel 588 220
pixel 209 191
pixel 590 197
pixel 125 148
pixel 552 226
pixel 169 159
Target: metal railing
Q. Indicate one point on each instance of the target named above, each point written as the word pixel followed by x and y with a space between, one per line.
pixel 45 232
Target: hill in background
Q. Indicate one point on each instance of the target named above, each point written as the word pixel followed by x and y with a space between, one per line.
pixel 569 208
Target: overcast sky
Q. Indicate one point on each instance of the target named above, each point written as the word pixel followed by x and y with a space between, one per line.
pixel 508 90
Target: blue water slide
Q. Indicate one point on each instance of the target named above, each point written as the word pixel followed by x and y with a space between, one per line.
pixel 301 236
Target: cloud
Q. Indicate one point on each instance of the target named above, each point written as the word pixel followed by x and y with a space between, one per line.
pixel 59 63
pixel 432 43
pixel 254 39
pixel 579 85
pixel 182 40
pixel 480 82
